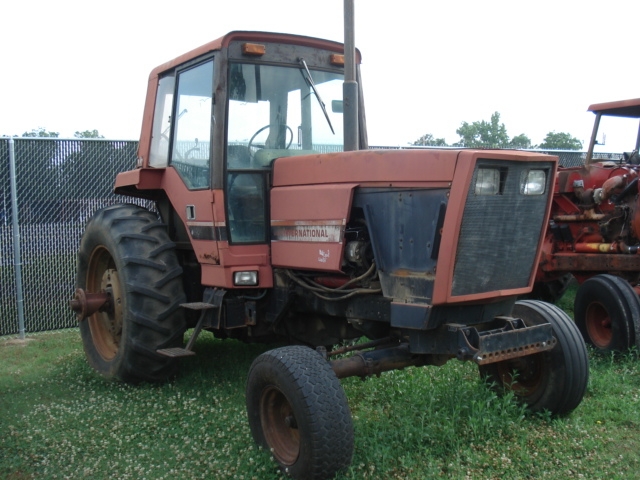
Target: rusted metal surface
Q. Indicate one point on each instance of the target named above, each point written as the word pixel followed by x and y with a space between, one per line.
pixel 514 347
pixel 598 324
pixel 595 247
pixel 596 216
pixel 511 341
pixel 279 425
pixel 588 215
pixel 375 362
pixel 591 262
pixel 362 346
pixel 86 304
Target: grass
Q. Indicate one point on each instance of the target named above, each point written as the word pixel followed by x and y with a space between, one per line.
pixel 59 419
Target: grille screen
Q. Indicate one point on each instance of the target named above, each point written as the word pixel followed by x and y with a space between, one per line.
pixel 499 232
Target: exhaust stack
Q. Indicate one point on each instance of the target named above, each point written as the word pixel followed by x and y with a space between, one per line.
pixel 350 87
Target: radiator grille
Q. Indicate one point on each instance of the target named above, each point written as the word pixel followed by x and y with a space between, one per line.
pixel 499 234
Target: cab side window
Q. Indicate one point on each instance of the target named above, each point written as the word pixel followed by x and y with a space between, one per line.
pixel 159 156
pixel 192 125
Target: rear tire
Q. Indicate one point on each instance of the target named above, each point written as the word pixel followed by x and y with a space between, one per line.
pixel 299 412
pixel 126 252
pixel 550 291
pixel 607 312
pixel 554 380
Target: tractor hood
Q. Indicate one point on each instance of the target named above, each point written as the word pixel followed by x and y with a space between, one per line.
pixel 383 167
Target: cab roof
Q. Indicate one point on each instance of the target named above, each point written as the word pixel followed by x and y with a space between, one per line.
pixel 621 108
pixel 250 36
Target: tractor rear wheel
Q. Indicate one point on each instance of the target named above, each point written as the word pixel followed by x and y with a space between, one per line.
pixel 553 380
pixel 126 253
pixel 607 312
pixel 299 412
pixel 550 291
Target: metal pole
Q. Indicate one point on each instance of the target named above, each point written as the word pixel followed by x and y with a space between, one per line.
pixel 17 259
pixel 350 87
pixel 594 136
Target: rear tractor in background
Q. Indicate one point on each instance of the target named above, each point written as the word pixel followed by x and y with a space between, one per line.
pixel 594 234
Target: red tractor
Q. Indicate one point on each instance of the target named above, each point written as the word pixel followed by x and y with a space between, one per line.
pixel 594 234
pixel 265 229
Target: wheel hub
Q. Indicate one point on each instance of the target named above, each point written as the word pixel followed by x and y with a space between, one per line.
pixel 522 375
pixel 106 324
pixel 599 325
pixel 111 286
pixel 279 426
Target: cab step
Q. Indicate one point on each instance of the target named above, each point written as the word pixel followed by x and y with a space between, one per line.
pixel 212 299
pixel 176 352
pixel 198 306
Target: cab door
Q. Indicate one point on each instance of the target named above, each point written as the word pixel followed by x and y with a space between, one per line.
pixel 188 183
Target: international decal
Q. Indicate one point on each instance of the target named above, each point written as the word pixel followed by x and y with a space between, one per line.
pixel 307 233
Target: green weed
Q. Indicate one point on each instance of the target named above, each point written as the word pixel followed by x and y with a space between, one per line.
pixel 59 419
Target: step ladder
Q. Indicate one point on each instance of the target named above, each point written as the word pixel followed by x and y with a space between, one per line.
pixel 212 300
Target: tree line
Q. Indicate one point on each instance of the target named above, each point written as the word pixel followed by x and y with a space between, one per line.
pixel 493 134
pixel 479 134
pixel 42 132
pixel 54 178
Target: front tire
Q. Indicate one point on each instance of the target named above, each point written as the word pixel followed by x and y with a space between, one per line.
pixel 553 380
pixel 126 252
pixel 607 312
pixel 299 412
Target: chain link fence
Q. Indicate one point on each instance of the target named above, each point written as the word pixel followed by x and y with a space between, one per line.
pixel 59 185
pixel 575 159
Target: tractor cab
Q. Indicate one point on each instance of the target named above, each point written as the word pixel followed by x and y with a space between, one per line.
pixel 616 122
pixel 215 120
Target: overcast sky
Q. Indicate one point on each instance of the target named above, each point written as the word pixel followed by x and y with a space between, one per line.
pixel 427 65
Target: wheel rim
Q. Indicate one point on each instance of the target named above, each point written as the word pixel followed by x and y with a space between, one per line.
pixel 279 426
pixel 105 326
pixel 598 325
pixel 522 375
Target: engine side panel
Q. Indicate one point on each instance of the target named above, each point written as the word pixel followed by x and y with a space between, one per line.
pixel 308 224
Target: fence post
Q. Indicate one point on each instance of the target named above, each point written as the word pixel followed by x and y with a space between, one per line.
pixel 17 259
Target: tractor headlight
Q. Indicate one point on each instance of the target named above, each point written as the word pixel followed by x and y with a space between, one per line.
pixel 245 279
pixel 533 182
pixel 488 181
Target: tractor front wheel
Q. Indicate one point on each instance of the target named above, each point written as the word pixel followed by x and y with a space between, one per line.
pixel 126 253
pixel 299 412
pixel 553 380
pixel 607 312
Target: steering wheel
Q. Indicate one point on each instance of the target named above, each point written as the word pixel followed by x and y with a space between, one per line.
pixel 631 157
pixel 263 129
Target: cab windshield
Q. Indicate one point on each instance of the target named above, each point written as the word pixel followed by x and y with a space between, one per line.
pixel 274 111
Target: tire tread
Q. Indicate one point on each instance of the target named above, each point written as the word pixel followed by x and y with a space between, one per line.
pixel 150 275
